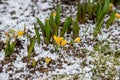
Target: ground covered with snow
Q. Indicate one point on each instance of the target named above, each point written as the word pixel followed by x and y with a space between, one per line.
pixel 80 61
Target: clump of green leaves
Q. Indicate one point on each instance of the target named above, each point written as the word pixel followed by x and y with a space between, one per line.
pixel 102 10
pixel 81 13
pixel 11 40
pixel 46 30
pixel 10 47
pixel 95 10
pixel 86 10
pixel 52 26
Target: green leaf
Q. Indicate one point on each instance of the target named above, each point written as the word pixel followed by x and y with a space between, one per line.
pixel 98 13
pixel 12 47
pixel 106 7
pixel 111 19
pixel 41 26
pixel 102 10
pixel 79 11
pixel 7 48
pixel 98 28
pixel 46 41
pixel 89 8
pixel 54 29
pixel 47 30
pixel 67 24
pixel 31 47
pixel 83 11
pixel 75 29
pixel 51 19
pixel 94 8
pixel 37 33
pixel 57 17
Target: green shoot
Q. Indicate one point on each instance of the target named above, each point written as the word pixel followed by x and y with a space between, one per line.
pixel 111 19
pixel 37 34
pixel 57 17
pixel 31 47
pixel 75 29
pixel 10 46
pixel 66 25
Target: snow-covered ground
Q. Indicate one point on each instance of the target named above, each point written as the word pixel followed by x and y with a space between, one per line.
pixel 14 14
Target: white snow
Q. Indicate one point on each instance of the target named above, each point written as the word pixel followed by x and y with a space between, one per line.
pixel 4 76
pixel 2 55
pixel 85 32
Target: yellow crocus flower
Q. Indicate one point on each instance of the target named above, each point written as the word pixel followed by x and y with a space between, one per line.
pixel 57 39
pixel 47 60
pixel 117 15
pixel 77 39
pixel 64 42
pixel 20 33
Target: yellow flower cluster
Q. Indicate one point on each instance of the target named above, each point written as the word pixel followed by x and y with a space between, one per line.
pixel 61 41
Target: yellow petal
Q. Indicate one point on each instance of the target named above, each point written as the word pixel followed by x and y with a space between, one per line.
pixel 47 60
pixel 117 15
pixel 20 33
pixel 111 6
pixel 57 39
pixel 64 42
pixel 77 39
pixel 53 14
